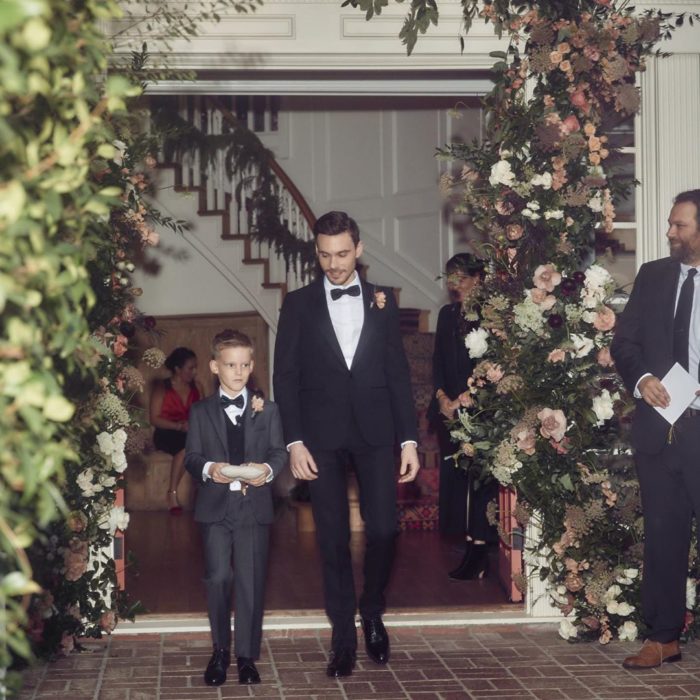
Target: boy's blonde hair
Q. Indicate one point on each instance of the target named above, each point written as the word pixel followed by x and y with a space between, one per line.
pixel 229 338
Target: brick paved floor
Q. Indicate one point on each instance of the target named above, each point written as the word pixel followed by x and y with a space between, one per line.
pixel 504 662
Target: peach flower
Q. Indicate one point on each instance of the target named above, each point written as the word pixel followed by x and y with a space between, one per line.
pixel 525 441
pixel 605 358
pixel 108 621
pixel 571 124
pixel 546 277
pixel 494 373
pixel 514 232
pixel 541 298
pixel 557 355
pixel 604 319
pixel 553 423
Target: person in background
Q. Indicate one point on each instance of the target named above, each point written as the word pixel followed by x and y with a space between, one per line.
pixel 169 414
pixel 462 507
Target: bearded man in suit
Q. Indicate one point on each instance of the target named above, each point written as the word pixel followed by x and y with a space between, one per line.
pixel 342 383
pixel 659 327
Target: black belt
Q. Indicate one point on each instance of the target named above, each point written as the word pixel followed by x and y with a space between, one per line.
pixel 690 413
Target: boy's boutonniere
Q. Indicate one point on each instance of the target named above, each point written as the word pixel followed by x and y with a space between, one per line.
pixel 379 300
pixel 257 403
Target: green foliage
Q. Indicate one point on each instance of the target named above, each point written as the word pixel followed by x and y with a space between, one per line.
pixel 52 129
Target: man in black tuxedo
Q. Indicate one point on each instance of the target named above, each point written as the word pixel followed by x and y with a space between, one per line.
pixel 342 383
pixel 230 428
pixel 659 327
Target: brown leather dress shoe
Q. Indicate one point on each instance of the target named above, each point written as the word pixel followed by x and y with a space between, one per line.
pixel 653 654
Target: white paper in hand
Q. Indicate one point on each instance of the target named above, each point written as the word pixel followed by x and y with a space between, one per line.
pixel 242 471
pixel 681 387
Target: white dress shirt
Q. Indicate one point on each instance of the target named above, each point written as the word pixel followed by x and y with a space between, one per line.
pixel 347 315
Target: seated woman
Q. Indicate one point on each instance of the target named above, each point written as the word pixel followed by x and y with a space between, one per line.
pixel 169 412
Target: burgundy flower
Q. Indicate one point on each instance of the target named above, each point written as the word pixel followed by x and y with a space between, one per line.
pixel 127 329
pixel 555 321
pixel 568 286
pixel 149 323
pixel 579 277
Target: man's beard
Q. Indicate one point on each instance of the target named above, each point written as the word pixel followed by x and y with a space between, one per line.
pixel 681 252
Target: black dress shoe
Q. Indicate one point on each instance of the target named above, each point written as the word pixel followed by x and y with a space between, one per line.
pixel 216 668
pixel 474 564
pixel 341 664
pixel 247 673
pixel 376 639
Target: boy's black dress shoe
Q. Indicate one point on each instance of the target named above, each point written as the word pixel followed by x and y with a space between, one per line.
pixel 474 564
pixel 376 639
pixel 341 664
pixel 216 668
pixel 247 673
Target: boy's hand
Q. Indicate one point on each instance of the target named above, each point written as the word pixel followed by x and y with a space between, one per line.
pixel 216 475
pixel 261 479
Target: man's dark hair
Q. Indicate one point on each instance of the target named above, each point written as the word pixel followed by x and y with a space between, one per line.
pixel 465 263
pixel 692 196
pixel 336 222
pixel 178 357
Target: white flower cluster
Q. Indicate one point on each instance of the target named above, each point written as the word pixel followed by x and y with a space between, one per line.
pixel 114 519
pixel 501 173
pixel 567 629
pixel 614 606
pixel 476 342
pixel 582 344
pixel 531 211
pixel 544 181
pixel 528 315
pixel 111 445
pixel 603 406
pixel 505 463
pixel 596 286
pixel 89 487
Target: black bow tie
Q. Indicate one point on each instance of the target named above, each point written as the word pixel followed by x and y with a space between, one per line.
pixel 353 291
pixel 239 401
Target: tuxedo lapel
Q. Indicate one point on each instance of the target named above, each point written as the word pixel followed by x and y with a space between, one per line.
pixel 368 324
pixel 323 318
pixel 218 418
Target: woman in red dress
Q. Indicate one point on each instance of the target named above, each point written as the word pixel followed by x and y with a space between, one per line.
pixel 169 414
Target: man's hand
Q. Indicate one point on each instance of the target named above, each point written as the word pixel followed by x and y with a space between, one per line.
pixel 216 475
pixel 259 480
pixel 302 463
pixel 409 463
pixel 654 392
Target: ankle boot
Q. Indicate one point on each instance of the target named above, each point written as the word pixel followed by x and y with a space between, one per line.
pixel 474 565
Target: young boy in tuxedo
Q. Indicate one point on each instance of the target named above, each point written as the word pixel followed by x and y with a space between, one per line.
pixel 234 450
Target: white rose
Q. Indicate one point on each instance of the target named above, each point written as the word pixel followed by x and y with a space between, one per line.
pixel 501 173
pixel 544 181
pixel 568 630
pixel 596 203
pixel 624 609
pixel 582 345
pixel 475 342
pixel 119 462
pixel 105 443
pixel 628 631
pixel 554 214
pixel 118 519
pixel 603 407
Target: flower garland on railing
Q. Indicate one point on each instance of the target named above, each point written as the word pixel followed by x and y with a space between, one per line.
pixel 546 411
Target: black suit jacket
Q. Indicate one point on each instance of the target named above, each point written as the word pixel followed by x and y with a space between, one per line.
pixel 318 395
pixel 207 442
pixel 643 343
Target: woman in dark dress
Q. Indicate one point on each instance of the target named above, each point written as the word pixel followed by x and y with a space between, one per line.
pixel 169 414
pixel 459 500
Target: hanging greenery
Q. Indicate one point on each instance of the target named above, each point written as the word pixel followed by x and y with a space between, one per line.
pixel 75 163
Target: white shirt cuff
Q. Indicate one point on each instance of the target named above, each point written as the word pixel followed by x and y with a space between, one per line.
pixel 409 442
pixel 296 442
pixel 637 394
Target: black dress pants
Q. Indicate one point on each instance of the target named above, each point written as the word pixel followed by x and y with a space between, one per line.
pixel 670 489
pixel 329 499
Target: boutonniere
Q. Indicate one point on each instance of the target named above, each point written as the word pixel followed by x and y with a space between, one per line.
pixel 257 403
pixel 379 300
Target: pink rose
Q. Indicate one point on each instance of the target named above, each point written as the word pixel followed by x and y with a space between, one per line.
pixel 578 99
pixel 465 400
pixel 557 355
pixel 494 373
pixel 525 441
pixel 75 558
pixel 570 124
pixel 546 277
pixel 561 448
pixel 605 358
pixel 504 208
pixel 604 319
pixel 553 424
pixel 121 345
pixel 541 298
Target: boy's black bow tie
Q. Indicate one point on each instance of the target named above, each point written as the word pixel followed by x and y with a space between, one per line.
pixel 239 401
pixel 353 291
